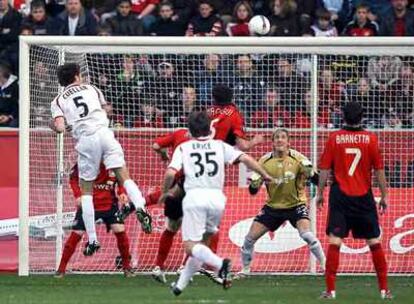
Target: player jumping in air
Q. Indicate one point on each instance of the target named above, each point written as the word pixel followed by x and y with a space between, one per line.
pixel 202 160
pixel 286 198
pixel 105 201
pixel 352 153
pixel 83 106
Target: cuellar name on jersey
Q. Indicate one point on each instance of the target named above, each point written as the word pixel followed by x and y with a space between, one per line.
pixel 74 90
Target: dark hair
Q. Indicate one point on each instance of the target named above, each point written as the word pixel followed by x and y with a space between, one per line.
pixel 199 124
pixel 362 6
pixel 122 1
pixel 277 131
pixel 353 112
pixel 37 4
pixel 323 13
pixel 222 94
pixel 5 70
pixel 248 8
pixel 166 3
pixel 66 73
pixel 208 2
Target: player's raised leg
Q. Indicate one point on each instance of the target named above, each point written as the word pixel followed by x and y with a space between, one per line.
pixel 303 226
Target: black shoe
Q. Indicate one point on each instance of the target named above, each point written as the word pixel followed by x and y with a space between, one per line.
pixel 211 275
pixel 123 213
pixel 91 248
pixel 175 290
pixel 145 219
pixel 225 273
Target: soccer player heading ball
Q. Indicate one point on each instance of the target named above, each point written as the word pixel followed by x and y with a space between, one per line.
pixel 83 106
pixel 352 153
pixel 202 160
pixel 286 198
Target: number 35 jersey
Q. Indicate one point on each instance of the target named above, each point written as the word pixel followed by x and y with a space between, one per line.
pixel 203 162
pixel 81 106
pixel 352 154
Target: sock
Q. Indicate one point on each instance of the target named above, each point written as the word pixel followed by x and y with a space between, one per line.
pixel 68 250
pixel 153 197
pixel 378 257
pixel 123 247
pixel 314 246
pixel 206 256
pixel 164 247
pixel 88 216
pixel 191 267
pixel 214 242
pixel 332 264
pixel 134 194
pixel 247 251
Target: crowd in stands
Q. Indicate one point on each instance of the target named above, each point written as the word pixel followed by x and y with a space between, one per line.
pixel 270 90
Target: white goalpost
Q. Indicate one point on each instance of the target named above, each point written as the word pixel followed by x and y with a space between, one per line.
pixel 152 83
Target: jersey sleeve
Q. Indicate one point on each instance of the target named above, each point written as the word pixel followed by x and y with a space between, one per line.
pixel 177 160
pixel 101 97
pixel 74 182
pixel 326 160
pixel 231 154
pixel 377 159
pixel 238 125
pixel 165 141
pixel 55 109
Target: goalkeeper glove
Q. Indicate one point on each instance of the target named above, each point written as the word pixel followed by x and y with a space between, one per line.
pixel 255 183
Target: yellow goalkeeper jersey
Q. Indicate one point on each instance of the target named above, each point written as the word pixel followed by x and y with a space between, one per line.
pixel 290 174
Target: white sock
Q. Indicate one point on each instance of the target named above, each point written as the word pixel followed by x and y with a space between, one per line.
pixel 190 268
pixel 88 216
pixel 134 193
pixel 205 255
pixel 315 247
pixel 247 252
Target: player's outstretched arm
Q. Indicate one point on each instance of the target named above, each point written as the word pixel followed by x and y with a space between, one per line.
pixel 323 179
pixel 252 164
pixel 246 145
pixel 161 151
pixel 382 183
pixel 167 184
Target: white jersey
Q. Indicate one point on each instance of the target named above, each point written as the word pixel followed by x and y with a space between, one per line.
pixel 202 161
pixel 81 105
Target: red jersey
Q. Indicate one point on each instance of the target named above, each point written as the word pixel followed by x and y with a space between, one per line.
pixel 104 195
pixel 227 123
pixel 173 139
pixel 139 5
pixel 352 154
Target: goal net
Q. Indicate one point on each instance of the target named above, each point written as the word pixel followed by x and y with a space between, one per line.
pixel 152 85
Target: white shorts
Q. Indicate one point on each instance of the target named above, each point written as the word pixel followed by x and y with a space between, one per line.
pixel 203 210
pixel 97 147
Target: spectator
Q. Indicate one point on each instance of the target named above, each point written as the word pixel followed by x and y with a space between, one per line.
pixel 330 96
pixel 284 21
pixel 248 86
pixel 302 115
pixel 145 9
pixel 340 10
pixel 378 8
pixel 224 9
pixel 207 77
pixel 26 30
pixel 403 93
pixel 10 21
pixel 361 25
pixel 306 10
pixel 323 26
pixel 104 30
pixel 272 114
pixel 206 23
pixel 383 71
pixel 240 23
pixel 399 21
pixel 373 107
pixel 168 23
pixel 124 23
pixel 183 10
pixel 38 20
pixel 77 21
pixel 149 117
pixel 9 97
pixel 189 97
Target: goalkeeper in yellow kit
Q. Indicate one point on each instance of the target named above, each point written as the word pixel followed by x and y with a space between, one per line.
pixel 286 198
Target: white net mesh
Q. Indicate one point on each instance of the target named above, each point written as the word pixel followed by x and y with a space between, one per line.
pixel 152 94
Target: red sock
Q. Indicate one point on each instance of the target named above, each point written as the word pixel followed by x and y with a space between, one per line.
pixel 123 247
pixel 332 263
pixel 378 257
pixel 214 242
pixel 68 250
pixel 153 197
pixel 166 240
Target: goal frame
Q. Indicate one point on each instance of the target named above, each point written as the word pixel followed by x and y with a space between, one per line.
pixel 193 45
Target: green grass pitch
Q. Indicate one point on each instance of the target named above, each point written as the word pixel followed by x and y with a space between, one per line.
pixel 115 289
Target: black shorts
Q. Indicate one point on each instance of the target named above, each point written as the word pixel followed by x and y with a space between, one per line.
pixel 274 218
pixel 355 213
pixel 108 217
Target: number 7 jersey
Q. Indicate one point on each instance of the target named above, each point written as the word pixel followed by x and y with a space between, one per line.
pixel 352 154
pixel 81 106
pixel 203 161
